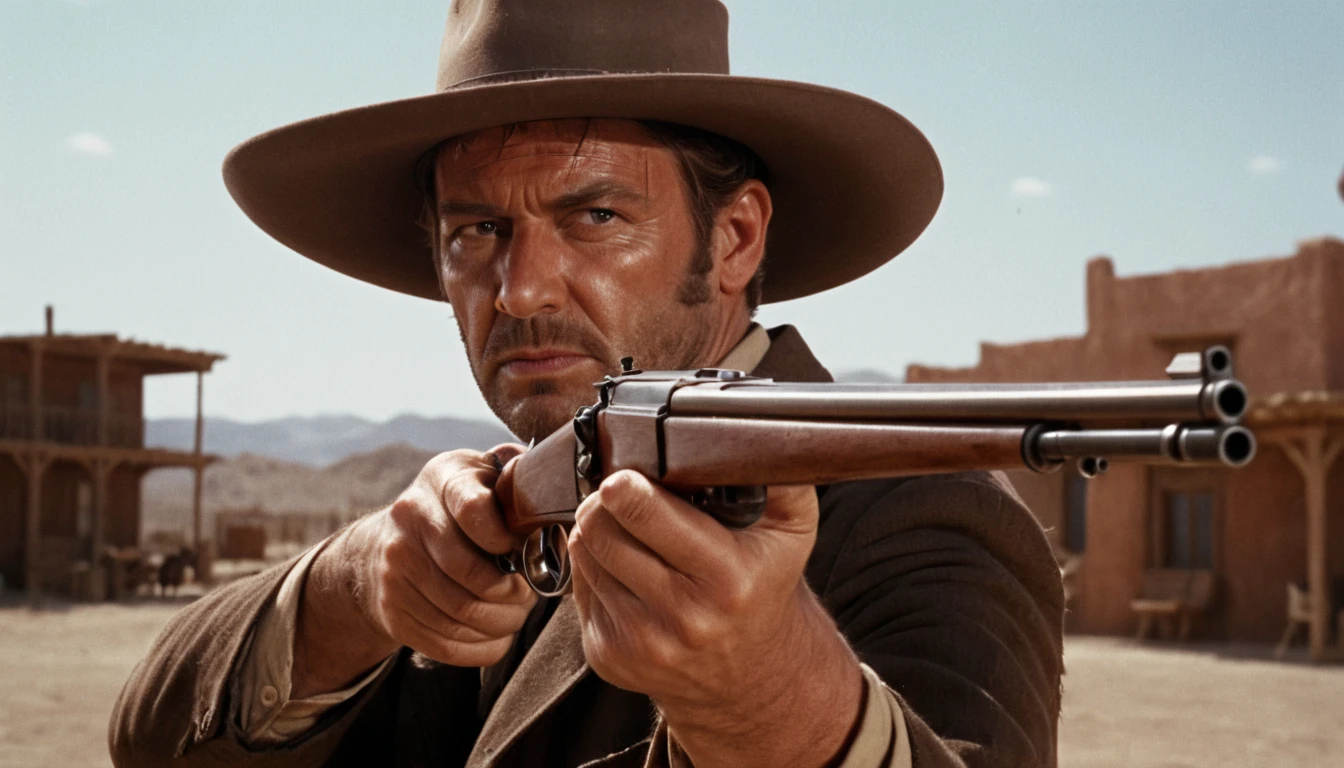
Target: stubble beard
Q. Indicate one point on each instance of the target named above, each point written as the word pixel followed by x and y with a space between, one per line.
pixel 676 337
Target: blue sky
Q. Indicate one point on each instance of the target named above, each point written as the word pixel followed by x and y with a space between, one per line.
pixel 1166 134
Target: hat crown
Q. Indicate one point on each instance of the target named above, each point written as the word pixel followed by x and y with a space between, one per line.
pixel 496 40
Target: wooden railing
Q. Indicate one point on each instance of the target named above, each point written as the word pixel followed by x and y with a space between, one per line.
pixel 71 427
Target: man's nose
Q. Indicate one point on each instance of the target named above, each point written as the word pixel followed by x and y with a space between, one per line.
pixel 532 280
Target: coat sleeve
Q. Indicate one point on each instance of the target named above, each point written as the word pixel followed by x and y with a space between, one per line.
pixel 177 708
pixel 947 588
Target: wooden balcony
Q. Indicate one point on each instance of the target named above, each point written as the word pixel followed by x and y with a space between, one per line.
pixel 70 426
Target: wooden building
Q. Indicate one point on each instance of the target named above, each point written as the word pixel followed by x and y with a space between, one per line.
pixel 72 453
pixel 1277 522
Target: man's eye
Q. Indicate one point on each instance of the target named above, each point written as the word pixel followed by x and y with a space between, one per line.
pixel 486 228
pixel 601 215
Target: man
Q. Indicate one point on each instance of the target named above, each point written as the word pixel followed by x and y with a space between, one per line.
pixel 595 185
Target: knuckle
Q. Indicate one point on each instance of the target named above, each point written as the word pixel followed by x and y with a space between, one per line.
pixel 451 459
pixel 470 503
pixel 695 629
pixel 632 499
pixel 738 594
pixel 661 654
pixel 405 511
pixel 398 554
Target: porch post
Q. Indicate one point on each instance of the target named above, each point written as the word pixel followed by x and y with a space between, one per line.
pixel 198 465
pixel 35 467
pixel 104 362
pixel 100 468
pixel 101 471
pixel 35 351
pixel 1313 459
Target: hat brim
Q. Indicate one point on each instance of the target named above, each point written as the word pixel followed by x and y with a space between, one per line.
pixel 853 182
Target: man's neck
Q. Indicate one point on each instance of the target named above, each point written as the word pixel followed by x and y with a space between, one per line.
pixel 732 331
pixel 749 350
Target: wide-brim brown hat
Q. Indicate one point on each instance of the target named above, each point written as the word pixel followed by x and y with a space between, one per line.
pixel 853 182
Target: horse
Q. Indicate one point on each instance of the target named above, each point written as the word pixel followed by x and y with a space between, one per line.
pixel 173 570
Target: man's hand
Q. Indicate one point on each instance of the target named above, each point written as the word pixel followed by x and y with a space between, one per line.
pixel 420 573
pixel 717 626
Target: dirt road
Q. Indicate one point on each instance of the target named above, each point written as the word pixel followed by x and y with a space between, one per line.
pixel 1138 707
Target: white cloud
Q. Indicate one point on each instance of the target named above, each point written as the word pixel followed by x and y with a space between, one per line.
pixel 1263 164
pixel 1030 186
pixel 89 144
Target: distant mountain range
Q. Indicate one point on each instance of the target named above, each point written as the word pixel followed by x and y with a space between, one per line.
pixel 319 441
pixel 867 376
pixel 328 464
pixel 356 484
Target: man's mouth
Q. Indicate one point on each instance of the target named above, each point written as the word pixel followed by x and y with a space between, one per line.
pixel 541 362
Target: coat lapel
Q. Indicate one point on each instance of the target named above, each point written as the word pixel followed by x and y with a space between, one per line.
pixel 789 359
pixel 552 667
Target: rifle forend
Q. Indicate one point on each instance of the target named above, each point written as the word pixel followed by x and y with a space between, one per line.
pixel 719 437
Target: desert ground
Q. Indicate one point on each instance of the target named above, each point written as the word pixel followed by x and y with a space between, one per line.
pixel 1124 705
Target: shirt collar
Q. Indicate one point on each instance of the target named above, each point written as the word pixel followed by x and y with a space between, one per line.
pixel 749 351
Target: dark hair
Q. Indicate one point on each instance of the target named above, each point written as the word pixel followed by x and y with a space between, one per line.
pixel 713 168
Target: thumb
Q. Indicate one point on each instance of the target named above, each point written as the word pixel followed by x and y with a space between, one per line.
pixel 791 509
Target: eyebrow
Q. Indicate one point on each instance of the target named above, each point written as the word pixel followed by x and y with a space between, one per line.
pixel 583 196
pixel 467 208
pixel 600 190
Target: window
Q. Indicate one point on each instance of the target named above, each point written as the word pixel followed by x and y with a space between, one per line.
pixel 1075 513
pixel 88 396
pixel 1187 529
pixel 83 509
pixel 16 390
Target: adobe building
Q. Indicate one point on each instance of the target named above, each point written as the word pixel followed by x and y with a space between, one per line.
pixel 72 453
pixel 1279 520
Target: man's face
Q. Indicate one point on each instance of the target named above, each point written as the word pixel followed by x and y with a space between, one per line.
pixel 562 247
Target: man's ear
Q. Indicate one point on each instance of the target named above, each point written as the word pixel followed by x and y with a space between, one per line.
pixel 739 236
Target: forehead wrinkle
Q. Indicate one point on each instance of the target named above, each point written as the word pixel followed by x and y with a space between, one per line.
pixel 574 166
pixel 578 150
pixel 550 189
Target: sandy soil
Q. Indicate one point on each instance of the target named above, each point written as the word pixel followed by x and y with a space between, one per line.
pixel 1124 705
pixel 1173 707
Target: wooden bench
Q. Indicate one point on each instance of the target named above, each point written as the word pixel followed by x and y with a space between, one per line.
pixel 1170 594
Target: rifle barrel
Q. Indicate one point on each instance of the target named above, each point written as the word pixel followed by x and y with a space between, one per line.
pixel 1229 446
pixel 1221 401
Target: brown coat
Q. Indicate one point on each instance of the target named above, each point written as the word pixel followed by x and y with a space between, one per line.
pixel 944 585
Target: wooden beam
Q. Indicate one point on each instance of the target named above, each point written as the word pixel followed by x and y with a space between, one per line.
pixel 37 467
pixel 101 472
pixel 35 392
pixel 1294 455
pixel 86 454
pixel 200 466
pixel 1317 571
pixel 104 363
pixel 1332 450
pixel 1313 458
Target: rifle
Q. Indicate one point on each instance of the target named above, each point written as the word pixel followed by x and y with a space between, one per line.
pixel 719 437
